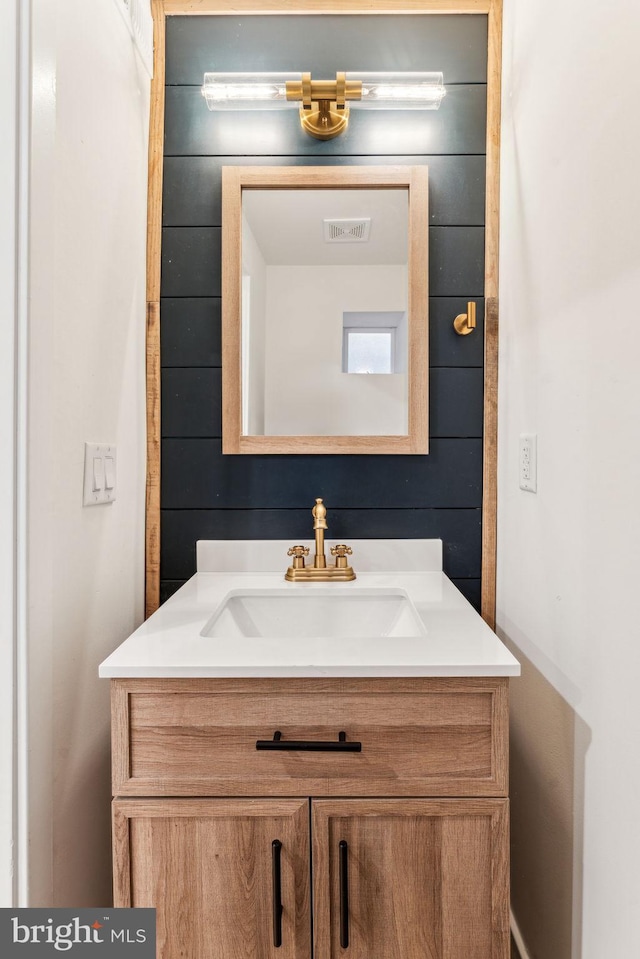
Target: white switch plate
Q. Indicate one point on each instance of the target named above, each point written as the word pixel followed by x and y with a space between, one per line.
pixel 99 473
pixel 529 462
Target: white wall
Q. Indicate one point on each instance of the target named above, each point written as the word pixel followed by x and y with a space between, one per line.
pixel 9 237
pixel 569 557
pixel 86 382
pixel 306 391
pixel 253 333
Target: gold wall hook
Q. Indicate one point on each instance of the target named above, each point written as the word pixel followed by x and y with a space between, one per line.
pixel 465 323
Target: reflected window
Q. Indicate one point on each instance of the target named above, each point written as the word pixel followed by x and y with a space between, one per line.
pixel 374 342
pixel 369 351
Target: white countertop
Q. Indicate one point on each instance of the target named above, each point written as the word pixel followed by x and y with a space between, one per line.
pixel 457 642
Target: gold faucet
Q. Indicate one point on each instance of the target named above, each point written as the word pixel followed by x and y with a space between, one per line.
pixel 319 513
pixel 341 572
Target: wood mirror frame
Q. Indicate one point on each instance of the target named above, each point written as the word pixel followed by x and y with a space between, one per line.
pixel 237 179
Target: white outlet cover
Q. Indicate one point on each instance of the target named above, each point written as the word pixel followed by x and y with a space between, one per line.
pixel 528 462
pixel 100 473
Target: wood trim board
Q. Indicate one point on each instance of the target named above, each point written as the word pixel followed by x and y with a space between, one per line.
pixel 492 240
pixel 154 255
pixel 289 7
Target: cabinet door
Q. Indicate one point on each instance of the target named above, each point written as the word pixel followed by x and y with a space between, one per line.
pixel 417 879
pixel 210 868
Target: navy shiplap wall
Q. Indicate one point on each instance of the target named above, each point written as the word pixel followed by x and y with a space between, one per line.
pixel 207 495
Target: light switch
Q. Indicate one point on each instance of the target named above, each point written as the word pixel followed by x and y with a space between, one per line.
pixel 99 473
pixel 110 474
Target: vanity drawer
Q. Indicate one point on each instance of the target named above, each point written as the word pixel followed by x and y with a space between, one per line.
pixel 419 737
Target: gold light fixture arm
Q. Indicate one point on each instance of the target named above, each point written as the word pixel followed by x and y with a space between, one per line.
pixel 324 113
pixel 465 323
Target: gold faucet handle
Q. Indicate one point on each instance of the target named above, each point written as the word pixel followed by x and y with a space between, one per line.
pixel 341 551
pixel 298 553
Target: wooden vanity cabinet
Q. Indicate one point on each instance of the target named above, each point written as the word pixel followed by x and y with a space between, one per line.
pixel 423 878
pixel 402 856
pixel 206 865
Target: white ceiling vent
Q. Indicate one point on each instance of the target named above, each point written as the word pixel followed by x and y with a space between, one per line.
pixel 347 231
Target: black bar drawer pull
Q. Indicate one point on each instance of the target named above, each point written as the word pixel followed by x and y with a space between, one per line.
pixel 276 848
pixel 344 893
pixel 339 745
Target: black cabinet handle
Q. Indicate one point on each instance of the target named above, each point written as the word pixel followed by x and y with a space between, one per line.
pixel 344 893
pixel 339 745
pixel 276 847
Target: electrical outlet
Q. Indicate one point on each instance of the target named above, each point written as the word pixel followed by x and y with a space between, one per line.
pixel 529 462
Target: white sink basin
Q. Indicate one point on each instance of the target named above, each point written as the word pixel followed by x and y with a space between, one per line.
pixel 238 618
pixel 313 613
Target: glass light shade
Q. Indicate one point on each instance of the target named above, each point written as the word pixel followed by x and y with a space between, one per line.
pixel 247 91
pixel 399 91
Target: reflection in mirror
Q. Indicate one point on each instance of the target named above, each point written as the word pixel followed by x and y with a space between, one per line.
pixel 309 269
pixel 324 310
pixel 375 342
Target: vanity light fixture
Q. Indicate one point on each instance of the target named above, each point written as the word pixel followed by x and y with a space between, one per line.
pixel 324 112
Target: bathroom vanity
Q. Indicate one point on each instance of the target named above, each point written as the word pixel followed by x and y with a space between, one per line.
pixel 295 775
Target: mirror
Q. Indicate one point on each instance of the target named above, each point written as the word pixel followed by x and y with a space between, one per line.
pixel 324 310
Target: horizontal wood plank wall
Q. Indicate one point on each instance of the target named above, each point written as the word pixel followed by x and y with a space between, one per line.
pixel 205 495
